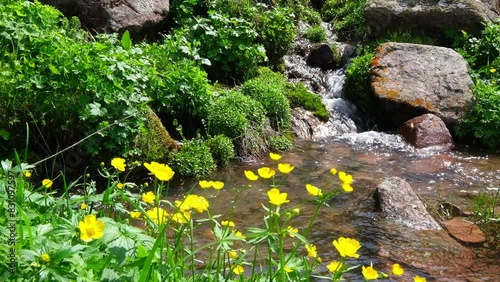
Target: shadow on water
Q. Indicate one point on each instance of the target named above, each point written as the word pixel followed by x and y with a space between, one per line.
pixel 369 157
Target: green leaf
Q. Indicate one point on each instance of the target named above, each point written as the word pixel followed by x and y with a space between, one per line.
pixel 142 252
pixel 4 134
pixel 53 69
pixel 126 41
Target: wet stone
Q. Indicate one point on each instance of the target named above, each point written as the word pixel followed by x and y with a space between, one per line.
pixel 464 230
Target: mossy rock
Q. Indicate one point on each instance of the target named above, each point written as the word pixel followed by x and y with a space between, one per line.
pixel 154 141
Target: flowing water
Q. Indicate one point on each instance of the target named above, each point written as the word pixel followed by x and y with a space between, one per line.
pixel 346 143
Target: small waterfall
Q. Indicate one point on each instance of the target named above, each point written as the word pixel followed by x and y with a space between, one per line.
pixel 329 84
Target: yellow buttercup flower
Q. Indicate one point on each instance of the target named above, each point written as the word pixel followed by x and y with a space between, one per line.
pixel 250 175
pixel 118 164
pixel 295 230
pixel 233 254
pixel 285 168
pixel 45 257
pixel 148 197
pixel 119 185
pixel 158 215
pixel 345 177
pixel 334 266
pixel 313 190
pixel 227 223
pixel 83 206
pixel 311 250
pixel 218 185
pixel 275 157
pixel 419 279
pixel 347 187
pixel 277 198
pixel 27 174
pixel 238 269
pixel 333 171
pixel 239 234
pixel 162 171
pixel 287 269
pixel 493 70
pixel 199 203
pixel 135 214
pixel 205 184
pixel 47 183
pixel 369 273
pixel 266 172
pixel 347 247
pixel 90 228
pixel 182 218
pixel 397 269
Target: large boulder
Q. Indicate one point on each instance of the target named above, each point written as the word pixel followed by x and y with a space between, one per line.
pixel 322 56
pixel 413 79
pixel 431 16
pixel 426 131
pixel 136 16
pixel 401 205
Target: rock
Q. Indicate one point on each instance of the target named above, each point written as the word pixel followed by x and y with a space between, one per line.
pixel 431 16
pixel 413 79
pixel 401 205
pixel 304 123
pixel 322 56
pixel 426 131
pixel 463 230
pixel 136 16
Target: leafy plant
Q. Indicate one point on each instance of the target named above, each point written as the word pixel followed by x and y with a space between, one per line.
pixel 316 34
pixel 240 112
pixel 300 96
pixel 222 149
pixel 347 17
pixel 194 159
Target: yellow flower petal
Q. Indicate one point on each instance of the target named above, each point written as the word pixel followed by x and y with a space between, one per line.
pixel 83 206
pixel 277 198
pixel 333 171
pixel 345 177
pixel 27 174
pixel 218 185
pixel 334 266
pixel 238 269
pixel 369 273
pixel 347 247
pixel 148 198
pixel 250 175
pixel 419 279
pixel 118 164
pixel 45 257
pixel 295 230
pixel 90 228
pixel 347 187
pixel 275 157
pixel 135 214
pixel 266 172
pixel 162 171
pixel 313 190
pixel 158 215
pixel 119 185
pixel 47 183
pixel 285 168
pixel 311 250
pixel 227 223
pixel 397 269
pixel 205 184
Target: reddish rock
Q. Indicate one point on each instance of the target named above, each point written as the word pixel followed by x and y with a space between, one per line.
pixel 426 131
pixel 463 230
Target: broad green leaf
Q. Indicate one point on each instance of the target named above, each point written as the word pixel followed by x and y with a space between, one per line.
pixel 126 41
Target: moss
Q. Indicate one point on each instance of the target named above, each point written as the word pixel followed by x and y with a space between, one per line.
pixel 299 96
pixel 154 141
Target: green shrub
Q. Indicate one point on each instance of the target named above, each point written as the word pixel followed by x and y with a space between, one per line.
pixel 357 84
pixel 57 81
pixel 271 97
pixel 280 143
pixel 316 34
pixel 222 149
pixel 229 44
pixel 347 17
pixel 232 113
pixel 300 96
pixel 193 160
pixel 483 120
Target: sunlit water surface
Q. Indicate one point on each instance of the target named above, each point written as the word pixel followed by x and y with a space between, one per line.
pixel 369 157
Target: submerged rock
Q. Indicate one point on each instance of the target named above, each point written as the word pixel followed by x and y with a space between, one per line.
pixel 413 79
pixel 401 205
pixel 464 230
pixel 426 131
